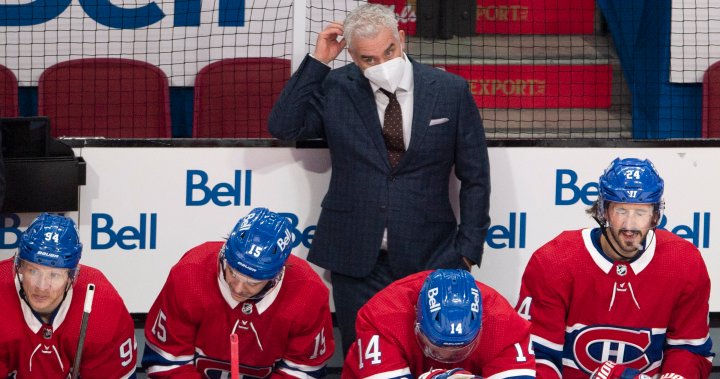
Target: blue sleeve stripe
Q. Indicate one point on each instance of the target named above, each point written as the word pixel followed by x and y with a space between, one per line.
pixel 705 349
pixel 549 355
pixel 297 371
pixel 153 358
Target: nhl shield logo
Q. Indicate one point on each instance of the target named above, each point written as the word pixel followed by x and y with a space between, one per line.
pixel 621 270
pixel 247 308
pixel 47 333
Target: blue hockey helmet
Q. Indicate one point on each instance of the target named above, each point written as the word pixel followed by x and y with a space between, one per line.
pixel 53 241
pixel 259 244
pixel 449 315
pixel 630 180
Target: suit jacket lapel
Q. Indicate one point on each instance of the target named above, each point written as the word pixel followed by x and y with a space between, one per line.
pixel 425 93
pixel 364 100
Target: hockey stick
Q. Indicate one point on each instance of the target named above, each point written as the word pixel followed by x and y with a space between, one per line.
pixel 234 358
pixel 83 328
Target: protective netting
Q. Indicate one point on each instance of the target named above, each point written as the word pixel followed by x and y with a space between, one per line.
pixel 540 69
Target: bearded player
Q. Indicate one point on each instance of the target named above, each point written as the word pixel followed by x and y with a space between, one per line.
pixel 42 292
pixel 622 299
pixel 251 286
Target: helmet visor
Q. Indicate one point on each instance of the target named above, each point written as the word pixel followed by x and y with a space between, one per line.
pixel 247 288
pixel 444 354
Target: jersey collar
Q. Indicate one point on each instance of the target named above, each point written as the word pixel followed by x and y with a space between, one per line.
pixel 606 264
pixel 261 306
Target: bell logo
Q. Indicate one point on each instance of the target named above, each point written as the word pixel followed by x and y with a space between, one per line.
pixel 568 191
pixel 432 303
pixel 300 235
pixel 475 306
pixel 198 190
pixel 105 236
pixel 10 231
pixel 512 235
pixel 231 13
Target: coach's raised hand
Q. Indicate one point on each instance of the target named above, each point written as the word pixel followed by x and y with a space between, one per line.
pixel 330 43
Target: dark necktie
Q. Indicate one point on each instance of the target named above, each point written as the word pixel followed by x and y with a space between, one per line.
pixel 393 129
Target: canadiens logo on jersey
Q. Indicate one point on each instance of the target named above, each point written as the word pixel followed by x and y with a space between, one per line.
pixel 636 348
pixel 217 369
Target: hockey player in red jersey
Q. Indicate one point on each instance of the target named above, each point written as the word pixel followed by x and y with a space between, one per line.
pixel 250 286
pixel 42 292
pixel 625 292
pixel 443 325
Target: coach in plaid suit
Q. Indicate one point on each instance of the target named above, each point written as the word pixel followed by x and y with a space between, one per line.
pixel 379 221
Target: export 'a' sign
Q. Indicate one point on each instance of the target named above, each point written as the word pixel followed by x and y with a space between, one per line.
pixel 537 86
pixel 511 16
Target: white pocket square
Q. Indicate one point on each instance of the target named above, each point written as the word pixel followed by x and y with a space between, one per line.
pixel 439 121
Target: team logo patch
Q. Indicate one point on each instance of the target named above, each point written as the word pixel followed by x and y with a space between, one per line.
pixel 621 270
pixel 47 333
pixel 247 308
pixel 218 369
pixel 595 344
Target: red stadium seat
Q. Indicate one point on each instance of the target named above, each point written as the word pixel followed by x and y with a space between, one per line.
pixel 105 97
pixel 233 97
pixel 711 102
pixel 9 93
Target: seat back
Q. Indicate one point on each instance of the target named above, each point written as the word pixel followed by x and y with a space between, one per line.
pixel 8 93
pixel 234 96
pixel 711 102
pixel 105 97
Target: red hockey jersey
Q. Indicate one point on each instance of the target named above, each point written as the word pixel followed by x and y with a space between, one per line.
pixel 30 348
pixel 386 346
pixel 288 333
pixel 650 314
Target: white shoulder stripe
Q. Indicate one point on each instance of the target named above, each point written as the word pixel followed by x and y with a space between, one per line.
pixel 298 366
pixel 401 373
pixel 156 369
pixel 295 373
pixel 574 327
pixel 578 326
pixel 542 341
pixel 691 342
pixel 513 373
pixel 299 371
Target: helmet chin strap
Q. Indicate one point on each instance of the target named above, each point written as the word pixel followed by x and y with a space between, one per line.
pixel 603 228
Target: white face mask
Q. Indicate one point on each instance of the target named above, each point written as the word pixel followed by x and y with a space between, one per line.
pixel 387 75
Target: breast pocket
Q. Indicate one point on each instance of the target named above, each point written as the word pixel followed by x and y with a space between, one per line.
pixel 335 204
pixel 439 121
pixel 440 135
